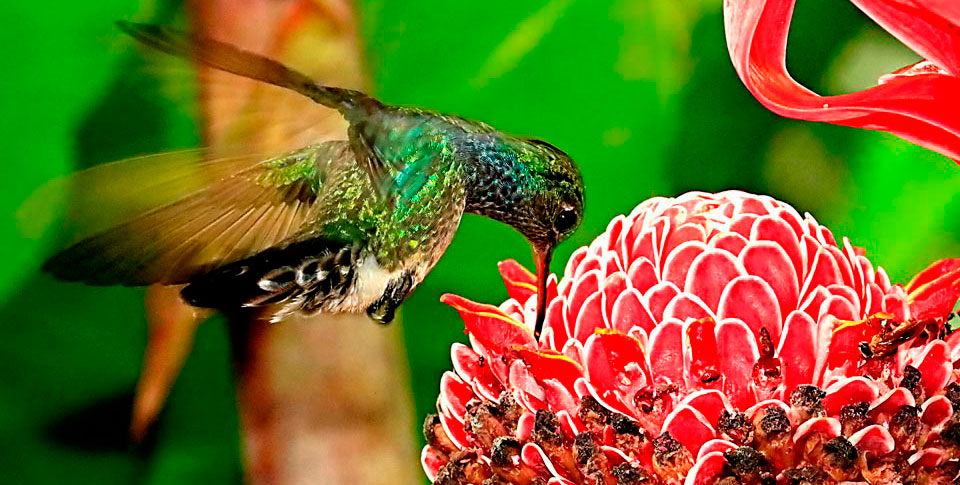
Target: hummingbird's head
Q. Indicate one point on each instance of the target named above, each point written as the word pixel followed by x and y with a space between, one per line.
pixel 531 185
pixel 551 211
pixel 552 204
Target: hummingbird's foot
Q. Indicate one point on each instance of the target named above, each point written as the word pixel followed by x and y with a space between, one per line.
pixel 384 309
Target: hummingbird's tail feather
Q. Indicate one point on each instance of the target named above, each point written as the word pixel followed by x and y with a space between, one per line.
pixel 229 58
pixel 229 210
pixel 304 274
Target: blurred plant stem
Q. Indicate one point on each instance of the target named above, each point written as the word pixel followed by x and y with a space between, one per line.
pixel 322 401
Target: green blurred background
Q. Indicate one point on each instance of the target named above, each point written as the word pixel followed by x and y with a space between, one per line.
pixel 640 92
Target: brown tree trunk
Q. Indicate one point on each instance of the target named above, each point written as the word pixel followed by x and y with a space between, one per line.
pixel 325 400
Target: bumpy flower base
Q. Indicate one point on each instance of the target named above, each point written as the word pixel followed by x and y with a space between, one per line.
pixel 711 338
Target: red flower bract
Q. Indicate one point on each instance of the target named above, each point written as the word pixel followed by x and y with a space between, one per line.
pixel 918 103
pixel 705 337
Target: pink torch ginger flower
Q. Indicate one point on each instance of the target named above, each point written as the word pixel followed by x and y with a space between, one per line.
pixel 710 338
pixel 919 102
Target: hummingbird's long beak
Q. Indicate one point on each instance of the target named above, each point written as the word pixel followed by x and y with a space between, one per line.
pixel 542 258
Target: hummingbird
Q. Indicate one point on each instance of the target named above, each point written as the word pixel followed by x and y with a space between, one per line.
pixel 348 225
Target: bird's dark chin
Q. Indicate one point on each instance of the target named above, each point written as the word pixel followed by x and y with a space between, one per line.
pixel 541 256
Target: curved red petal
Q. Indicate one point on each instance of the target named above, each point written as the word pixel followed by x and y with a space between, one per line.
pixel 520 282
pixel 929 27
pixel 934 291
pixel 616 361
pixel 917 108
pixel 495 332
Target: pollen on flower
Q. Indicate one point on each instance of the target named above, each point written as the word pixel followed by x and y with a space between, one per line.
pixel 711 338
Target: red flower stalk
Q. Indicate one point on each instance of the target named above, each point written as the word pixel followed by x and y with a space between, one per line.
pixel 920 103
pixel 705 338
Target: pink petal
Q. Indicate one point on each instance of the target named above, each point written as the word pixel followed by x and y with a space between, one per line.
pixel 934 292
pixel 613 287
pixel 709 402
pixel 752 204
pixel 770 263
pixel 666 351
pixel 828 427
pixel 736 342
pixel 709 274
pixel 811 304
pixel 781 235
pixel 533 456
pixel 797 351
pixel 936 411
pixel 574 262
pixel 630 310
pixel 729 241
pixel 554 321
pixel 890 403
pixel 454 430
pixel 590 263
pixel 848 294
pixel 716 445
pixel 928 458
pixel 706 470
pixel 751 299
pixel 526 389
pixel 838 307
pixel 431 462
pixel 935 367
pixel 454 395
pixel 643 275
pixel 685 306
pixel 689 427
pixel 659 296
pixel 615 231
pixel 743 224
pixel 583 287
pixel 569 425
pixel 589 317
pixel 679 260
pixel 849 391
pixel 873 439
pixel 846 272
pixel 823 272
pixel 525 425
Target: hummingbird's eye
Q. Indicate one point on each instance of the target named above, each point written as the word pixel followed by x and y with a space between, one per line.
pixel 565 221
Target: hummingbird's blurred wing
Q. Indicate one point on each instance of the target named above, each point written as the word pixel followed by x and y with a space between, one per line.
pixel 215 212
pixel 232 59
